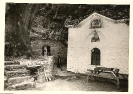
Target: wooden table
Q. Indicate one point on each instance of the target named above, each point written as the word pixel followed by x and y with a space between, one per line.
pixel 103 72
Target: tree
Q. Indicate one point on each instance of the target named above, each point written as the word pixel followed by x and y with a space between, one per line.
pixel 21 18
pixel 18 24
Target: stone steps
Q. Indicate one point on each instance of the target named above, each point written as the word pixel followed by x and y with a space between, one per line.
pixel 23 85
pixel 16 80
pixel 14 67
pixel 17 73
pixel 12 63
pixel 16 76
pixel 23 77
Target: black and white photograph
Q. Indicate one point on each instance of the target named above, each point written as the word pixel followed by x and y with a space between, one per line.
pixel 66 47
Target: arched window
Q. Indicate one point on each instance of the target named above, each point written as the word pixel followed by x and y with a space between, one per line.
pixel 95 56
pixel 96 37
pixel 45 50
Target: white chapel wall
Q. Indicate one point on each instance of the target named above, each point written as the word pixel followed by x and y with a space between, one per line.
pixel 113 46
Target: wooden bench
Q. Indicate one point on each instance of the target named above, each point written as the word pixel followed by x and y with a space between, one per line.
pixel 106 73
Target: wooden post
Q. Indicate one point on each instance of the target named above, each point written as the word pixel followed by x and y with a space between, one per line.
pixel 118 82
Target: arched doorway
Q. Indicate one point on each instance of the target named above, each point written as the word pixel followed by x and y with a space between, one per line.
pixel 95 56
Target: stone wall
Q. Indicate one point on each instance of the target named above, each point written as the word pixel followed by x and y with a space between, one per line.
pixel 56 47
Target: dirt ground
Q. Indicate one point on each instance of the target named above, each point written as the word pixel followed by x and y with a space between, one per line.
pixel 67 81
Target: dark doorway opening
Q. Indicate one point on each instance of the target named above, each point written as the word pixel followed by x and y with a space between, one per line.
pixel 95 56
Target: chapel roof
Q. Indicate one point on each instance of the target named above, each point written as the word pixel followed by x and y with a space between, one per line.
pixel 95 14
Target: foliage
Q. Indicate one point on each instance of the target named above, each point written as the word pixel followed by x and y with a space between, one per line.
pixel 21 18
pixel 18 19
pixel 60 12
pixel 57 16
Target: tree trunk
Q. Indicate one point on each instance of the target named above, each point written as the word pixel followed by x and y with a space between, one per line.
pixel 20 18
